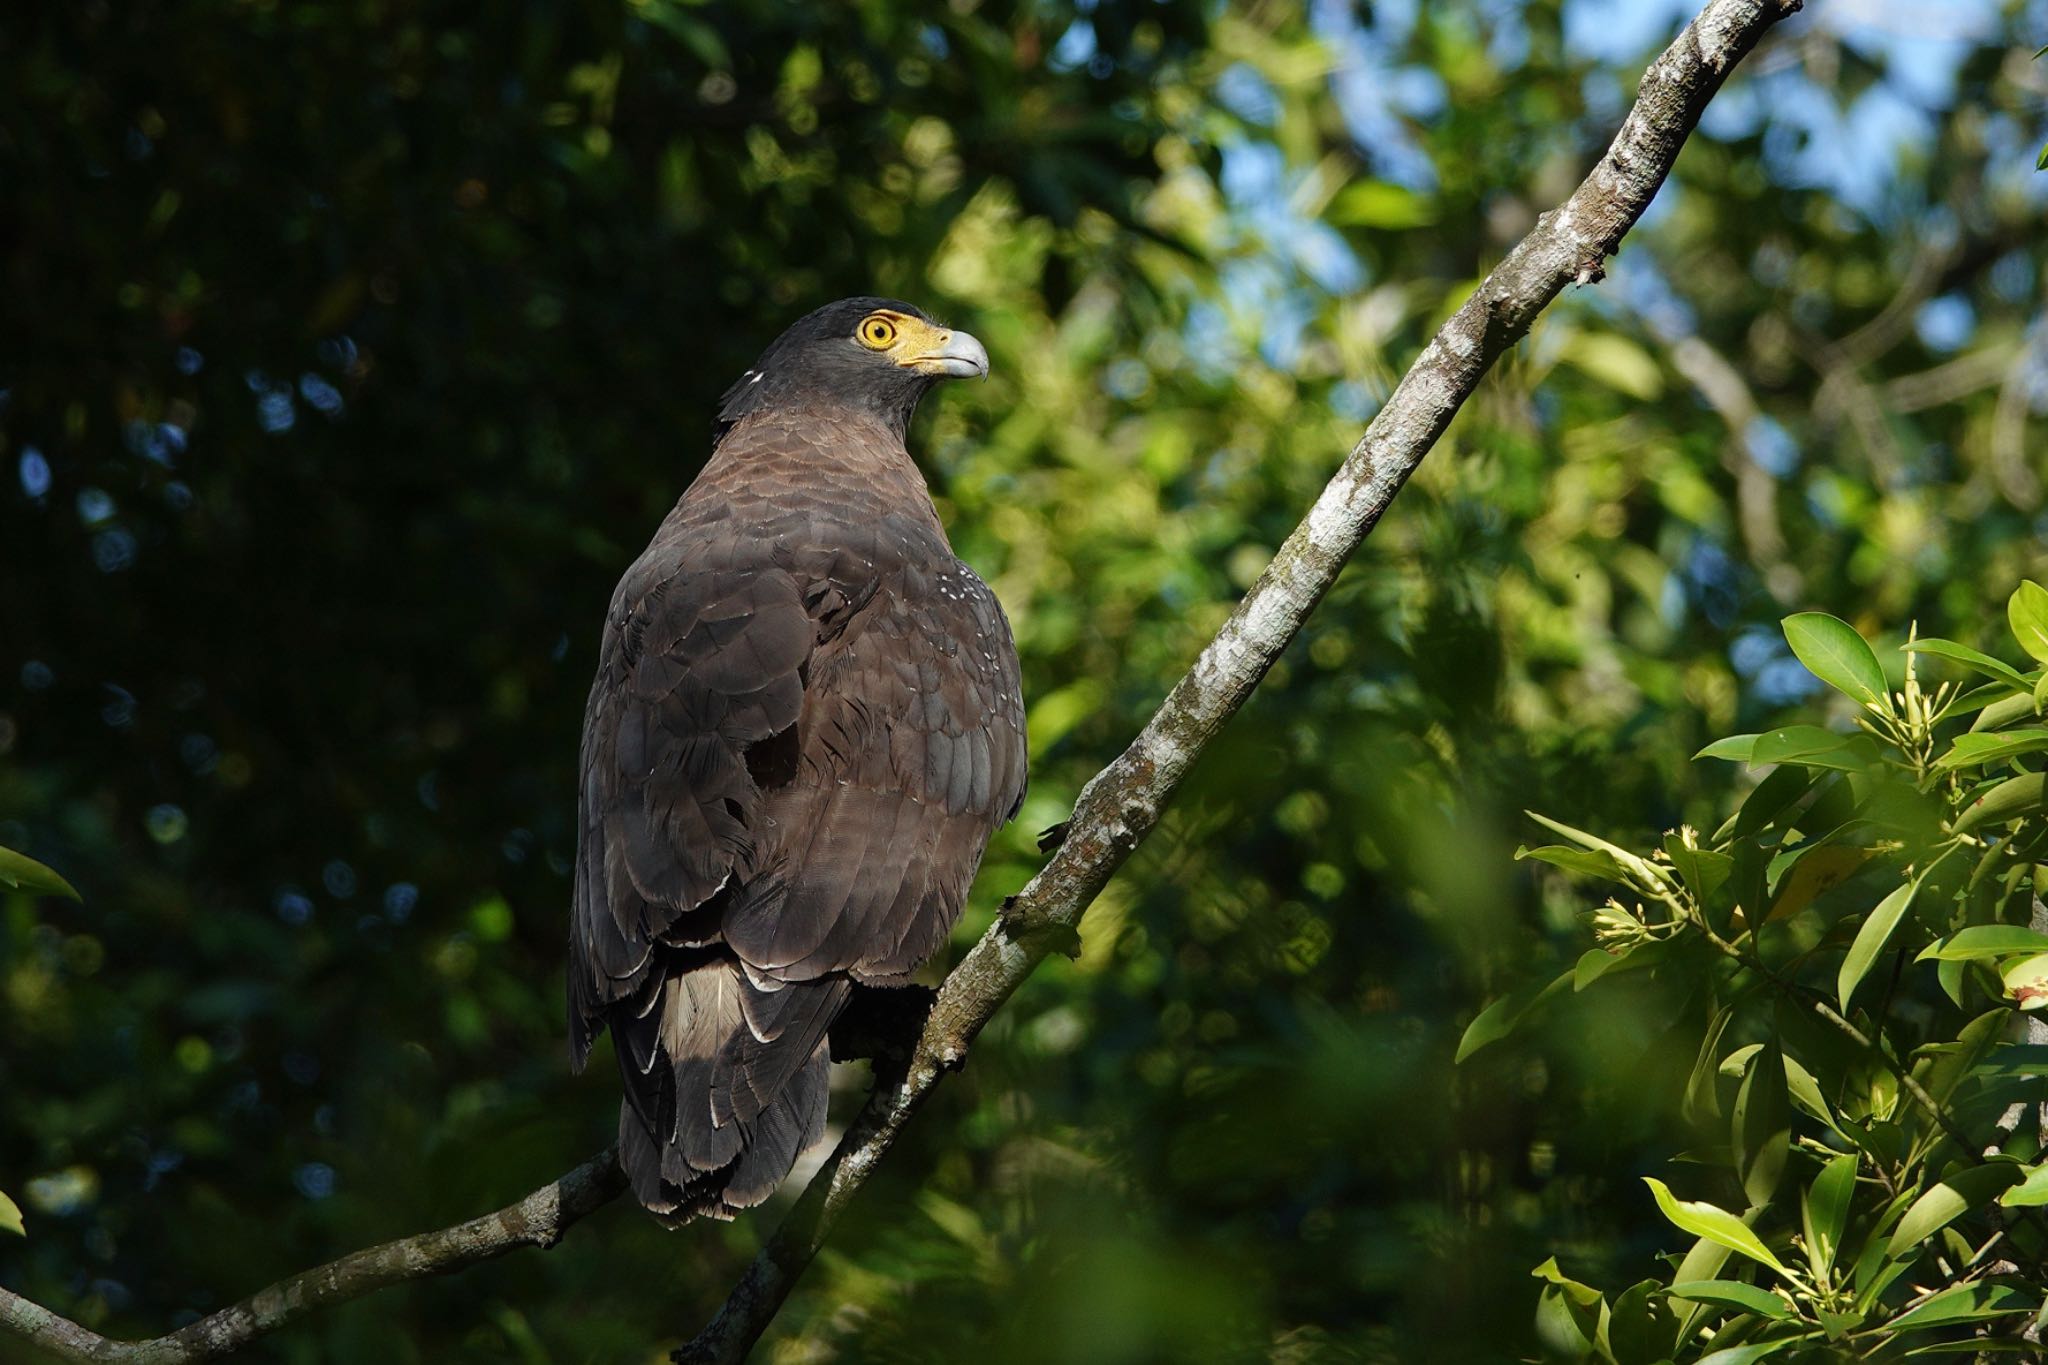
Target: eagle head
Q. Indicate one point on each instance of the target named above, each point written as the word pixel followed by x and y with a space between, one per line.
pixel 872 354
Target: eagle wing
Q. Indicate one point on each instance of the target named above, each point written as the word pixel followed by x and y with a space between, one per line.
pixel 793 758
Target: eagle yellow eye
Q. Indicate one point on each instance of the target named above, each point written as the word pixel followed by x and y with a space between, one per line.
pixel 877 333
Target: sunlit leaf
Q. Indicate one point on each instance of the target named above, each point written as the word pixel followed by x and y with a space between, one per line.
pixel 2027 612
pixel 1716 1224
pixel 1805 1093
pixel 1983 941
pixel 1734 1294
pixel 1702 870
pixel 2026 794
pixel 1965 1303
pixel 1825 1211
pixel 1617 362
pixel 1583 1293
pixel 2031 1192
pixel 10 1216
pixel 1871 937
pixel 1737 747
pixel 1745 1355
pixel 20 872
pixel 1967 1189
pixel 1974 658
pixel 1584 861
pixel 1975 749
pixel 1813 747
pixel 1833 652
pixel 1378 204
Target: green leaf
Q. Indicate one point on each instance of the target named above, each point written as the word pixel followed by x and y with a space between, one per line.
pixel 1948 974
pixel 1584 840
pixel 1805 1092
pixel 1734 1294
pixel 1744 1355
pixel 1813 747
pixel 2014 797
pixel 1615 361
pixel 1583 1293
pixel 2030 1192
pixel 1977 748
pixel 1593 964
pixel 1583 861
pixel 1641 1327
pixel 1736 747
pixel 1973 658
pixel 1967 1189
pixel 1702 1262
pixel 1715 1224
pixel 1703 870
pixel 1964 1303
pixel 1701 1099
pixel 1871 937
pixel 10 1216
pixel 1824 1211
pixel 1377 204
pixel 1784 786
pixel 1833 652
pixel 1985 940
pixel 1819 867
pixel 2027 612
pixel 1762 1129
pixel 20 872
pixel 1999 714
pixel 1499 1019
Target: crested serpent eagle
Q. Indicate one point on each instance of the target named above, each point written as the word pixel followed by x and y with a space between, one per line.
pixel 806 724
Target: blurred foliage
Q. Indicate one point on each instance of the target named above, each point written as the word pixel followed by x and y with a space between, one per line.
pixel 354 349
pixel 1848 952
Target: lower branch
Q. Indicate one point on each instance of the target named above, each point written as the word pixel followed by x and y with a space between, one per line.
pixel 538 1220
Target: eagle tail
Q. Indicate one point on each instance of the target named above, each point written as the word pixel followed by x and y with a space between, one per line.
pixel 726 1086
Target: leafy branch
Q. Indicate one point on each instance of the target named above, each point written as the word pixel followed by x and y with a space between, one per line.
pixel 1900 833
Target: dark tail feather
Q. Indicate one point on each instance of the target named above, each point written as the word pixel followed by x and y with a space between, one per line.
pixel 682 1140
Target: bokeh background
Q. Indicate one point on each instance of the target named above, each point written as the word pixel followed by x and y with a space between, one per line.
pixel 350 350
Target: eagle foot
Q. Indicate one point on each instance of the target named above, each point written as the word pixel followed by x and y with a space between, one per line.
pixel 881 1023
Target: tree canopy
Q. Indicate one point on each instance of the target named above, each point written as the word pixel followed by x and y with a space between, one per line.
pixel 354 349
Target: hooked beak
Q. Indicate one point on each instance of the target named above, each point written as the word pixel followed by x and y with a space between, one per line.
pixel 957 356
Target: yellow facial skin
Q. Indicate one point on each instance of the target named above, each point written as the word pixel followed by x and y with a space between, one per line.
pixel 918 345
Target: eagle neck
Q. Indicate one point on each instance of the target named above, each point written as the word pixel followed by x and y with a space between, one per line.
pixel 846 458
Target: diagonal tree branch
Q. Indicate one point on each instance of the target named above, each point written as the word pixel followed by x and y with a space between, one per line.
pixel 538 1220
pixel 1120 805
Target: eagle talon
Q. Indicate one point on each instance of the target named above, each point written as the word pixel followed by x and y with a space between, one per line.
pixel 1050 840
pixel 881 1023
